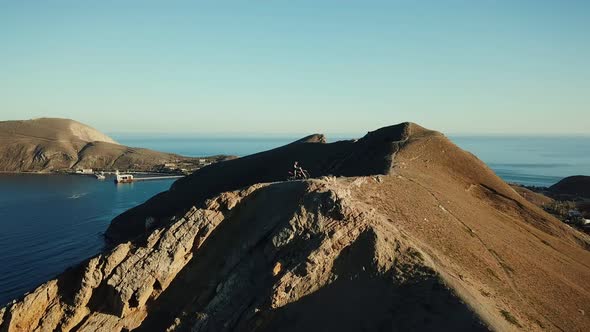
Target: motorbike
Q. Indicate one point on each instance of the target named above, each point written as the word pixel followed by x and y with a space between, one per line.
pixel 298 174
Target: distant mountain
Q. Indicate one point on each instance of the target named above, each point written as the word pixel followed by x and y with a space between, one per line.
pixel 578 185
pixel 51 144
pixel 54 129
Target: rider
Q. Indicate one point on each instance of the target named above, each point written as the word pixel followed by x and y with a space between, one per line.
pixel 297 169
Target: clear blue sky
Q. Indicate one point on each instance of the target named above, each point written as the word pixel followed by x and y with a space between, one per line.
pixel 279 66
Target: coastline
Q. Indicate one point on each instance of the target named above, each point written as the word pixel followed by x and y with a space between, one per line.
pixel 29 172
pixel 73 173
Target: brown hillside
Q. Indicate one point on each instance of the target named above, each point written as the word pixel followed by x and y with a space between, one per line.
pixel 48 144
pixel 51 129
pixel 536 198
pixel 414 234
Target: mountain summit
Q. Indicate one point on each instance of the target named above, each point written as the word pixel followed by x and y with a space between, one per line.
pixel 55 129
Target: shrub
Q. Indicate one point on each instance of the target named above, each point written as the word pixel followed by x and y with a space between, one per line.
pixel 560 208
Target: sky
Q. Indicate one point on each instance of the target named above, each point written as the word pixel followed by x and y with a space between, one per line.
pixel 284 66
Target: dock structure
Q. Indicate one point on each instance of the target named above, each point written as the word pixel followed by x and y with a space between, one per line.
pixel 131 172
pixel 128 178
pixel 158 177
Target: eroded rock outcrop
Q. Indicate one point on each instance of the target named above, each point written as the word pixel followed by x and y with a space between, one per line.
pixel 111 290
pixel 308 230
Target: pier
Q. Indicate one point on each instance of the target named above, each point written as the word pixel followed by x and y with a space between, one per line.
pixel 135 172
pixel 128 178
pixel 158 177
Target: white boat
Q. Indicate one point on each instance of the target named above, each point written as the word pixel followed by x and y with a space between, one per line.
pixel 100 176
pixel 124 178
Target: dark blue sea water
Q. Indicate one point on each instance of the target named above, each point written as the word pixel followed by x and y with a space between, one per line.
pixel 50 222
pixel 533 161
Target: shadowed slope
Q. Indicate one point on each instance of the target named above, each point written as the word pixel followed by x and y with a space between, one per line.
pixel 575 186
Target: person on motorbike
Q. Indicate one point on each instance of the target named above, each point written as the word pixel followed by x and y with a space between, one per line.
pixel 299 172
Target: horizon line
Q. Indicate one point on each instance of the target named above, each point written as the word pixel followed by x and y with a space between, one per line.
pixel 191 134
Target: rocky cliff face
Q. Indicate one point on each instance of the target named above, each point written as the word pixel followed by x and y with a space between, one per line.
pixel 432 240
pixel 260 252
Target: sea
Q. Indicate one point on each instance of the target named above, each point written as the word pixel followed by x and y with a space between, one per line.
pixel 51 222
